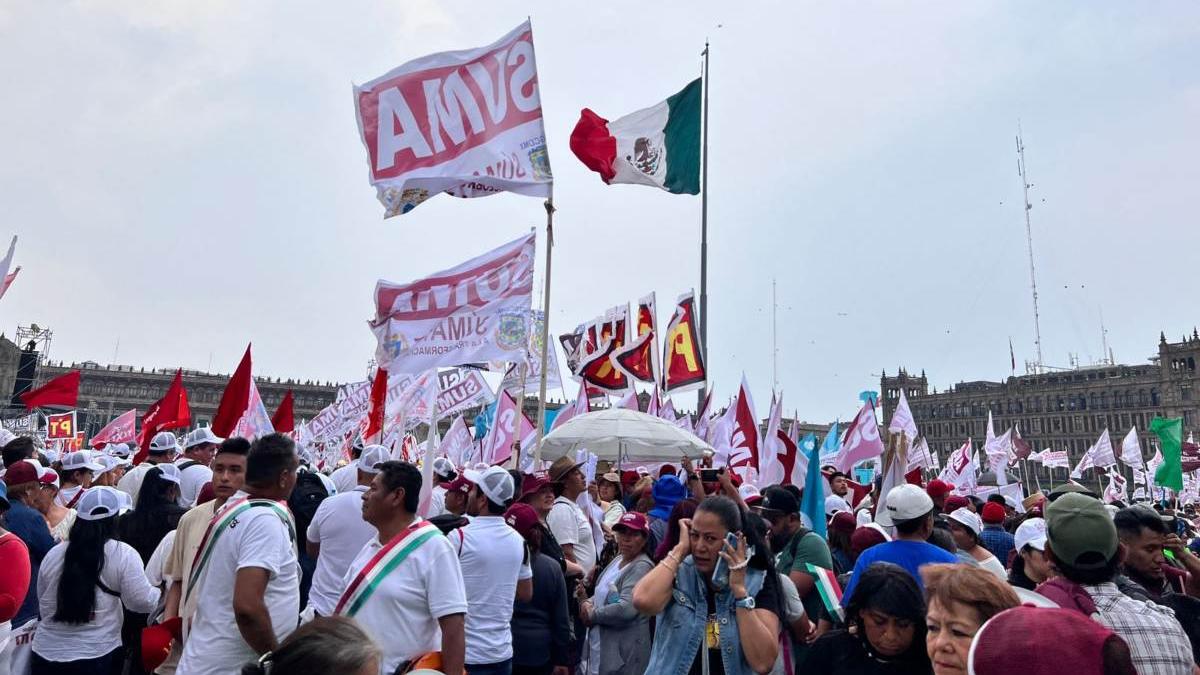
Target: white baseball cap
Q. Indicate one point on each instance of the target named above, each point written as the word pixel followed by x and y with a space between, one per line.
pixel 164 441
pixel 108 463
pixel 967 518
pixel 170 472
pixel 372 456
pixel 80 459
pixel 443 467
pixel 46 475
pixel 1032 532
pixel 117 449
pixel 102 502
pixel 6 436
pixel 200 437
pixel 494 482
pixel 904 502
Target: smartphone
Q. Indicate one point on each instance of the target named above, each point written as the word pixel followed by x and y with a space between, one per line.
pixel 710 475
pixel 720 575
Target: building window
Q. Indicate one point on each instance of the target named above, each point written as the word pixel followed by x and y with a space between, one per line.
pixel 1185 391
pixel 1154 397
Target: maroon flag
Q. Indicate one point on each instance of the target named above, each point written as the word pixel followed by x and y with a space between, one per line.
pixel 1021 447
pixel 169 412
pixel 234 400
pixel 1190 457
pixel 62 390
pixel 284 419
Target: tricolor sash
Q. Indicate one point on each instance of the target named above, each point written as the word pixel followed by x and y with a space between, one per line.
pixel 383 563
pixel 220 524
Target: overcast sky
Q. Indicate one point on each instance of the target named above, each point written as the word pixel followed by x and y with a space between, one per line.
pixel 186 177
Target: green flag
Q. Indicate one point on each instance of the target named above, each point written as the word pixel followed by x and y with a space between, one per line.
pixel 1170 434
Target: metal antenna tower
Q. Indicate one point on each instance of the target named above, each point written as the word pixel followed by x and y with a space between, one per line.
pixel 1025 185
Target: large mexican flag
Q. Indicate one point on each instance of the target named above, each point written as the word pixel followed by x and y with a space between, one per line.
pixel 658 146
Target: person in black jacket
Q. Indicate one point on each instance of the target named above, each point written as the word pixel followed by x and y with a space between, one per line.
pixel 885 632
pixel 541 628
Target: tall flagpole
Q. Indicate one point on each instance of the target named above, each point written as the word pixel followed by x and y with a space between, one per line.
pixel 541 416
pixel 704 231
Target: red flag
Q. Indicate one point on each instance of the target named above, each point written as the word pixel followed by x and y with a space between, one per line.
pixel 235 400
pixel 914 477
pixel 744 441
pixel 62 390
pixel 597 370
pixel 120 430
pixel 284 419
pixel 377 405
pixel 169 412
pixel 683 358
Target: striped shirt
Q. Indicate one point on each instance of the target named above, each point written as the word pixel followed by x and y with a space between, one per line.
pixel 1156 641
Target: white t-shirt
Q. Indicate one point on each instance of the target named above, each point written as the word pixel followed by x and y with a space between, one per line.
pixel 154 566
pixel 437 501
pixel 122 573
pixel 339 528
pixel 402 615
pixel 131 482
pixel 993 565
pixel 569 525
pixel 346 477
pixel 492 556
pixel 258 538
pixel 191 480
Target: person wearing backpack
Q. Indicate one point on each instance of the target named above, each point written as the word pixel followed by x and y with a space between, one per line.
pixel 199 446
pixel 308 494
pixel 337 532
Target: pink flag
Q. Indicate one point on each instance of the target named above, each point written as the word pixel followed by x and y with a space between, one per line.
pixel 458 441
pixel 5 264
pixel 256 421
pixel 653 407
pixel 579 407
pixel 702 422
pixel 497 448
pixel 628 401
pixel 862 440
pixel 120 430
pixel 770 463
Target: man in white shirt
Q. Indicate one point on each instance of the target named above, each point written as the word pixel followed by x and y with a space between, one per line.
pixel 346 477
pixel 495 570
pixel 247 580
pixel 162 450
pixel 417 605
pixel 198 449
pixel 338 532
pixel 567 521
pixel 443 473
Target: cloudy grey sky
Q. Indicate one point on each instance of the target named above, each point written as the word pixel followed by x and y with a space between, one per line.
pixel 186 177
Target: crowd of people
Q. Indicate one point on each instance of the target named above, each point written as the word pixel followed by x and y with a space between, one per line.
pixel 225 556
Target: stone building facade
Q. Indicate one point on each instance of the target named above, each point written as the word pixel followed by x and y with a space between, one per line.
pixel 1059 409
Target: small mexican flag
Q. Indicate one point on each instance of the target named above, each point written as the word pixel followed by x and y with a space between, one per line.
pixel 828 588
pixel 657 146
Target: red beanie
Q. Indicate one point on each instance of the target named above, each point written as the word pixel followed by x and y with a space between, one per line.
pixel 954 502
pixel 993 513
pixel 938 488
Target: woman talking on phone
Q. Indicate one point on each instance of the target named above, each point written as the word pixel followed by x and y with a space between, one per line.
pixel 718 596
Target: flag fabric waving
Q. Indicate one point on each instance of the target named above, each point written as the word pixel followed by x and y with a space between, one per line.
pixel 235 399
pixel 377 406
pixel 6 278
pixel 812 502
pixel 744 441
pixel 62 390
pixel 1131 450
pixel 579 407
pixel 862 440
pixel 120 430
pixel 597 369
pixel 471 313
pixel 167 413
pixel 254 422
pixel 1102 455
pixel 1170 435
pixel 467 123
pixel 683 358
pixel 771 470
pixel 284 419
pixel 902 419
pixel 658 146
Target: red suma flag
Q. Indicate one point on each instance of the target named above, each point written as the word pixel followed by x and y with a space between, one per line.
pixel 169 412
pixel 120 430
pixel 467 123
pixel 658 146
pixel 62 390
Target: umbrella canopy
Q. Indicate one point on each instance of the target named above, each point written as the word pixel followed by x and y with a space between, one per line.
pixel 621 435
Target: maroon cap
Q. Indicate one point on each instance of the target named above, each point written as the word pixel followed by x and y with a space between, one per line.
pixel 628 478
pixel 666 470
pixel 459 484
pixel 993 513
pixel 938 488
pixel 522 518
pixel 844 522
pixel 955 502
pixel 864 538
pixel 633 521
pixel 533 482
pixel 21 472
pixel 1046 639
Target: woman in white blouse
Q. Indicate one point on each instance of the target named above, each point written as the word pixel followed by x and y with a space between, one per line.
pixel 81 587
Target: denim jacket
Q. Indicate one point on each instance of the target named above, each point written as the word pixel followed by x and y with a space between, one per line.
pixel 680 629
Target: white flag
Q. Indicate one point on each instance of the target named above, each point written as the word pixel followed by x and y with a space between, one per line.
pixel 902 419
pixel 770 465
pixel 472 313
pixel 6 279
pixel 997 449
pixel 459 442
pixel 1102 451
pixel 1086 462
pixel 468 123
pixel 1131 450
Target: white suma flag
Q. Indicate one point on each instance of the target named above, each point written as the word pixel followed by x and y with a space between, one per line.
pixel 902 419
pixel 467 123
pixel 1102 452
pixel 1131 450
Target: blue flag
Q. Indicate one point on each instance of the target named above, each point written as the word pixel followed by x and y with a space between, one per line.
pixel 813 504
pixel 483 421
pixel 831 445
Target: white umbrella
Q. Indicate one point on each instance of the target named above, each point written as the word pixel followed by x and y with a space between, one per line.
pixel 622 435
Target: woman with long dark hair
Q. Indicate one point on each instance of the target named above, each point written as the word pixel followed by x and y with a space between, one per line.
pixel 885 629
pixel 156 513
pixel 718 594
pixel 81 587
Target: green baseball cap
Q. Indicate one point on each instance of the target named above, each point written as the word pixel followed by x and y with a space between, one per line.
pixel 1080 531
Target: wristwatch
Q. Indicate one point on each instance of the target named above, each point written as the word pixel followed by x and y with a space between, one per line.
pixel 745 603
